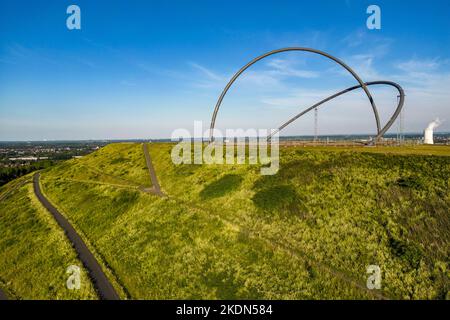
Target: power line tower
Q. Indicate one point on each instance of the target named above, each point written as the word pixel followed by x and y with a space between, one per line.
pixel 316 125
pixel 401 124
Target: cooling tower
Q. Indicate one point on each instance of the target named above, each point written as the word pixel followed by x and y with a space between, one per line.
pixel 429 131
pixel 428 136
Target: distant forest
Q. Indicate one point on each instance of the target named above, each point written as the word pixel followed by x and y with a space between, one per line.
pixel 10 173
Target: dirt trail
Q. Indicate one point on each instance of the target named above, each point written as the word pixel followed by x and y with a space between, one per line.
pixel 99 279
pixel 156 188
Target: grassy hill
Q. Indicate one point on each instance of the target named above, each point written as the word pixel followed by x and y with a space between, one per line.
pixel 226 232
pixel 34 251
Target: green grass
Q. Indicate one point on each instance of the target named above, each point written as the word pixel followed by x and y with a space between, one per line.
pixel 346 209
pixel 221 187
pixel 426 150
pixel 161 249
pixel 226 232
pixel 34 251
pixel 123 162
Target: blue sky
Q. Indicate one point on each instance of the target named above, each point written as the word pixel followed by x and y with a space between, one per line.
pixel 140 69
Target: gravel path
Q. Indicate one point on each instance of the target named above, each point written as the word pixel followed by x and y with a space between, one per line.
pixel 156 188
pixel 101 282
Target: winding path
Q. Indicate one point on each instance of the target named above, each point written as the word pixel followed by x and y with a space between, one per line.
pixel 156 188
pixel 99 279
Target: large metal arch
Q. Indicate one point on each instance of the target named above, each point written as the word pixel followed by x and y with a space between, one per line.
pixel 338 61
pixel 368 84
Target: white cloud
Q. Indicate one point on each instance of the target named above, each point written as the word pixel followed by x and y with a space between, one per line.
pixel 295 99
pixel 270 77
pixel 425 82
pixel 285 68
pixel 363 64
pixel 207 72
pixel 355 39
pixel 419 65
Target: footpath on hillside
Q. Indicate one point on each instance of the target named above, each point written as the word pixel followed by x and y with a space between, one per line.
pixel 99 279
pixel 156 188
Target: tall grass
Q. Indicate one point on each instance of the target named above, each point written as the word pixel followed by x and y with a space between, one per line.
pixel 227 232
pixel 35 252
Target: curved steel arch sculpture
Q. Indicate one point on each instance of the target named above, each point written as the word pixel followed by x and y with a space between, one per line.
pixel 391 121
pixel 380 131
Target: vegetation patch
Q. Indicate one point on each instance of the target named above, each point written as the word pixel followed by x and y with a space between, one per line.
pixel 118 160
pixel 221 187
pixel 412 182
pixel 35 253
pixel 248 241
pixel 276 198
pixel 409 252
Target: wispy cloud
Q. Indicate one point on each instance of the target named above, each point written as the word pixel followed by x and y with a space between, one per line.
pixel 425 76
pixel 364 65
pixel 296 98
pixel 355 38
pixel 271 75
pixel 207 72
pixel 361 39
pixel 425 80
pixel 16 53
pixel 286 68
pixel 362 51
pixel 420 65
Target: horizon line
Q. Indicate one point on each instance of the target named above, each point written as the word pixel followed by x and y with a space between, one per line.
pixel 169 139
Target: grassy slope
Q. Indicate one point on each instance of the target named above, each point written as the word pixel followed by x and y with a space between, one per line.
pixel 34 251
pixel 345 209
pixel 227 232
pixel 164 248
pixel 125 162
pixel 424 150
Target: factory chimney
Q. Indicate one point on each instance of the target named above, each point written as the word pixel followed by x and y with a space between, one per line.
pixel 429 131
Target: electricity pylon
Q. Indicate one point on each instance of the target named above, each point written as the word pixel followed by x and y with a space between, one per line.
pixel 316 125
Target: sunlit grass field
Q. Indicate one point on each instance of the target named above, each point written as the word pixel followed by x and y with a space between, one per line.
pixel 226 232
pixel 34 251
pixel 425 150
pixel 345 209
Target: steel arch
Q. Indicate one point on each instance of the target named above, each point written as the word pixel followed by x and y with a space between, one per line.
pixel 368 84
pixel 380 131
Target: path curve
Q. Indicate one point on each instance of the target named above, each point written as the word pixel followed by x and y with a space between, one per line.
pixel 99 279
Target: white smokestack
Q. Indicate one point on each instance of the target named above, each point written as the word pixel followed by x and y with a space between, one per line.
pixel 429 131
